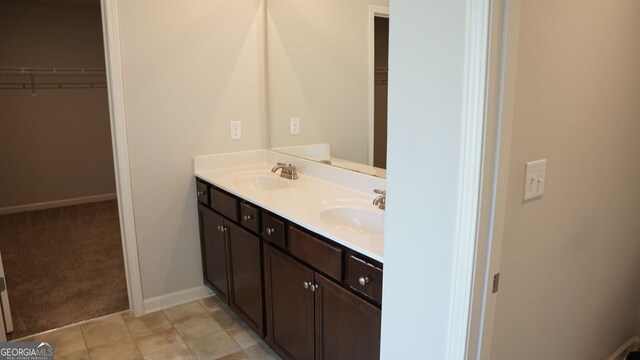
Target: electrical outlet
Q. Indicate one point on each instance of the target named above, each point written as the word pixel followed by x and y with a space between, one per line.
pixel 294 125
pixel 236 130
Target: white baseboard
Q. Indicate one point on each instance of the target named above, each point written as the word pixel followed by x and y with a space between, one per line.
pixel 176 298
pixel 631 345
pixel 57 203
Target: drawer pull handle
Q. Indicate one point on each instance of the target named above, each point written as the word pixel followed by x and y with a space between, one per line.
pixel 246 218
pixel 363 280
pixel 270 231
pixel 200 193
pixel 314 287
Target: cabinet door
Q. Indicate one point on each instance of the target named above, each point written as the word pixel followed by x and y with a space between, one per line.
pixel 290 317
pixel 347 327
pixel 246 276
pixel 214 249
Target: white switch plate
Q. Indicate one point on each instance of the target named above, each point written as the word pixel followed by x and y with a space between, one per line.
pixel 535 172
pixel 294 125
pixel 236 130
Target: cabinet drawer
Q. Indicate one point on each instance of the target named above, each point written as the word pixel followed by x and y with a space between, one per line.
pixel 225 204
pixel 249 217
pixel 315 252
pixel 202 190
pixel 273 230
pixel 364 277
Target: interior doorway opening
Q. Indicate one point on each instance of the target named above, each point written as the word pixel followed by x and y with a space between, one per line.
pixel 380 90
pixel 59 224
pixel 378 84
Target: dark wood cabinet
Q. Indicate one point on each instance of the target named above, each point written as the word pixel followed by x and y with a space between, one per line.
pixel 347 327
pixel 310 316
pixel 246 276
pixel 364 277
pixel 290 305
pixel 213 244
pixel 232 259
pixel 309 297
pixel 273 230
pixel 316 252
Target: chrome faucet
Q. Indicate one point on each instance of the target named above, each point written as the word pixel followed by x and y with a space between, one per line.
pixel 288 171
pixel 380 200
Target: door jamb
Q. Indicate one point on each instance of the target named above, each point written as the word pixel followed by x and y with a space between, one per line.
pixel 501 76
pixel 121 154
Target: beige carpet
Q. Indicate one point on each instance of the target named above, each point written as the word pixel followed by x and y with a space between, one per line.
pixel 63 265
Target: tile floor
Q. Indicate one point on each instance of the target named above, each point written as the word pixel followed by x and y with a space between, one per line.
pixel 204 329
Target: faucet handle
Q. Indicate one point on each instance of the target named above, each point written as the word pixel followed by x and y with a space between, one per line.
pixel 380 191
pixel 281 164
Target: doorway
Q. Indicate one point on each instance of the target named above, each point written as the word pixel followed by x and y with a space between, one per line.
pixel 381 84
pixel 378 84
pixel 59 223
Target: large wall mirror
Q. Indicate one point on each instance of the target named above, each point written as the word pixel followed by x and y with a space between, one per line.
pixel 327 73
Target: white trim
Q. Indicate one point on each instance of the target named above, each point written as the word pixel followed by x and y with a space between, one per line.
pixel 473 125
pixel 56 203
pixel 121 154
pixel 483 280
pixel 374 11
pixel 176 298
pixel 5 313
pixel 630 345
pixel 504 48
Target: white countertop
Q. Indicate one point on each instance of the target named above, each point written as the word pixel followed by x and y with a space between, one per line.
pixel 301 202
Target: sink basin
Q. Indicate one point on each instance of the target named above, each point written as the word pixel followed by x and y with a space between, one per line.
pixel 261 182
pixel 354 218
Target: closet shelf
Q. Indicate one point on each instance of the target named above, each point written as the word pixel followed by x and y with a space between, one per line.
pixel 33 79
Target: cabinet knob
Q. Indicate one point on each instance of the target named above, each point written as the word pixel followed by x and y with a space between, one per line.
pixel 363 280
pixel 247 218
pixel 309 285
pixel 200 193
pixel 219 228
pixel 270 231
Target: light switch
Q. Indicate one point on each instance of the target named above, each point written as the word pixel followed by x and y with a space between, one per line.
pixel 236 130
pixel 535 172
pixel 294 125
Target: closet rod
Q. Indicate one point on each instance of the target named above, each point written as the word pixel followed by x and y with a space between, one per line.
pixel 32 78
pixel 51 71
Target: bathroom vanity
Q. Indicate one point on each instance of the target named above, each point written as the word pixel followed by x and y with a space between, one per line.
pixel 285 257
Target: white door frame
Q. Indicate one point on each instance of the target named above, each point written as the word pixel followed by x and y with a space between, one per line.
pixel 471 179
pixel 121 154
pixel 501 71
pixel 374 11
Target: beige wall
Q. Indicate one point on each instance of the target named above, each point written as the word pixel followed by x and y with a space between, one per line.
pixel 570 275
pixel 56 145
pixel 189 67
pixel 318 71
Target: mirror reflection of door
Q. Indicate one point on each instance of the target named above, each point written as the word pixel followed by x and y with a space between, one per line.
pixel 381 71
